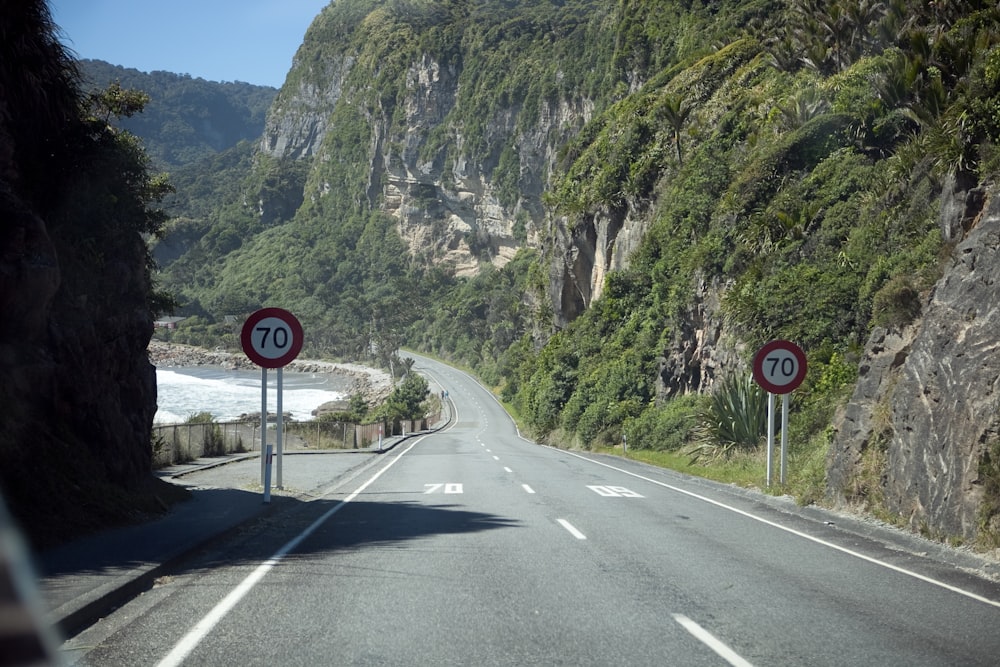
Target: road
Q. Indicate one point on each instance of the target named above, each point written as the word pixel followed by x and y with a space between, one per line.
pixel 473 546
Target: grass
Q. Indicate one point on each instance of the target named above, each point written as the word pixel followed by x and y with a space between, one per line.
pixel 746 469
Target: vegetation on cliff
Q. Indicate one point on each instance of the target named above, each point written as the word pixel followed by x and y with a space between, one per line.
pixel 77 202
pixel 783 161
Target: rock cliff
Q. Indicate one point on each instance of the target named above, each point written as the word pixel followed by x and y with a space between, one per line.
pixel 919 437
pixel 455 203
pixel 78 391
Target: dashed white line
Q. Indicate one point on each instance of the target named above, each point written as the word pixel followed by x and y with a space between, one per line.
pixel 496 458
pixel 572 530
pixel 506 469
pixel 527 488
pixel 709 640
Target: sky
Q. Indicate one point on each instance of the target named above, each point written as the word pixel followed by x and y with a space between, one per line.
pixel 219 40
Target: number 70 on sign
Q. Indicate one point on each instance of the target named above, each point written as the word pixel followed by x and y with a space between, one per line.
pixel 779 366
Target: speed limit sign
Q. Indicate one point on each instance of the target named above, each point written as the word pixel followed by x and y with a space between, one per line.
pixel 271 337
pixel 779 367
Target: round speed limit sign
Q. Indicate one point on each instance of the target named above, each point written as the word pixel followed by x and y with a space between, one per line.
pixel 271 337
pixel 779 367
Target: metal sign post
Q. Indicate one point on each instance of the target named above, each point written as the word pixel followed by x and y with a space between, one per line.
pixel 263 419
pixel 278 429
pixel 770 436
pixel 779 367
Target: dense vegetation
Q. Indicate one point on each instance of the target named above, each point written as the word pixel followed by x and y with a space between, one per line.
pixel 78 200
pixel 789 157
pixel 186 119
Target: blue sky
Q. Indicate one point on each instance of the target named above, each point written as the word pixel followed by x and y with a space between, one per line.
pixel 219 40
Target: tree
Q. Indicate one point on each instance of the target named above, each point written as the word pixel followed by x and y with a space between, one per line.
pixel 675 111
pixel 406 401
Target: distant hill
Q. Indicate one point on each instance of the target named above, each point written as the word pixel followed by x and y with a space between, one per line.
pixel 187 119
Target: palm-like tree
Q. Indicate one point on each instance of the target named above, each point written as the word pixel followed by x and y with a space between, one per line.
pixel 675 111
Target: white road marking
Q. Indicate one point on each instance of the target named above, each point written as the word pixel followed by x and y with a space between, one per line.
pixel 448 488
pixel 506 469
pixel 798 533
pixel 709 640
pixel 527 488
pixel 572 530
pixel 190 641
pixel 496 458
pixel 614 492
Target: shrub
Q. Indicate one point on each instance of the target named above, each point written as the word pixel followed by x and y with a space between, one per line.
pixel 734 419
pixel 213 443
pixel 896 304
pixel 665 428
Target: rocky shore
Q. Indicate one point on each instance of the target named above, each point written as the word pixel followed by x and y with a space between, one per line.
pixel 373 384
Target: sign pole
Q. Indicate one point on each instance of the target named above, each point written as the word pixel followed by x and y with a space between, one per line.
pixel 279 428
pixel 263 421
pixel 784 436
pixel 770 437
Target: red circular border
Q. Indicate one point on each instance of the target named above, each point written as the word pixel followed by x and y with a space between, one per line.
pixel 758 366
pixel 247 342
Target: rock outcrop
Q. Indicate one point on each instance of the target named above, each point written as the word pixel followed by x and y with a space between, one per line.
pixel 447 197
pixel 77 390
pixel 917 435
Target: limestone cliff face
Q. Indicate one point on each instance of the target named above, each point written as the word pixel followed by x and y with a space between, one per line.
pixel 297 121
pixel 925 414
pixel 446 197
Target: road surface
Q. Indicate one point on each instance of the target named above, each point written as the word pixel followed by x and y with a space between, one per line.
pixel 473 546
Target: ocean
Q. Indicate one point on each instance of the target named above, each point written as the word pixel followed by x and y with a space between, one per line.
pixel 227 394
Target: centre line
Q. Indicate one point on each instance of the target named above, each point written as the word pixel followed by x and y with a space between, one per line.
pixel 527 488
pixel 572 530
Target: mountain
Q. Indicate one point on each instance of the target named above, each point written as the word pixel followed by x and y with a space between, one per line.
pixel 187 119
pixel 606 207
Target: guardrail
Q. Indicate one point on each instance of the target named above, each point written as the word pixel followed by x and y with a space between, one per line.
pixel 179 443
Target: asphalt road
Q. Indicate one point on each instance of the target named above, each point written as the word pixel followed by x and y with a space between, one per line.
pixel 473 546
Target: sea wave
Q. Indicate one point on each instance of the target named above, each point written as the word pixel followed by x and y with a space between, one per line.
pixel 228 394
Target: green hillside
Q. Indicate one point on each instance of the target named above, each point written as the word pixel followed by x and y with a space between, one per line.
pixel 783 160
pixel 187 119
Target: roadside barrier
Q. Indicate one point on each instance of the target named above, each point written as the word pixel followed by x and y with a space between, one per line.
pixel 180 443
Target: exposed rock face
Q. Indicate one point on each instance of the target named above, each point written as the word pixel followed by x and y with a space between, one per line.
pixel 701 351
pixel 928 399
pixel 449 207
pixel 77 389
pixel 297 122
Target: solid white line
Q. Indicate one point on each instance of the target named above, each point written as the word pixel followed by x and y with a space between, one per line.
pixel 190 641
pixel 572 531
pixel 709 640
pixel 527 488
pixel 817 540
